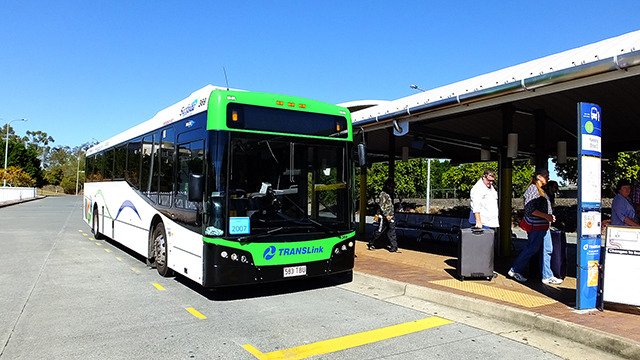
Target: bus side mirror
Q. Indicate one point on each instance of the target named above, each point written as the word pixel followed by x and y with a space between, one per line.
pixel 362 155
pixel 196 187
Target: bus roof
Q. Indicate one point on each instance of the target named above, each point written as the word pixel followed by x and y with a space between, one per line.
pixel 195 103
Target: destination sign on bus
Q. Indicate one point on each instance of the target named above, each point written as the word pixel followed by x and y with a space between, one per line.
pixel 251 117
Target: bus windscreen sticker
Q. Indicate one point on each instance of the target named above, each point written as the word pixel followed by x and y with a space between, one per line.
pixel 239 226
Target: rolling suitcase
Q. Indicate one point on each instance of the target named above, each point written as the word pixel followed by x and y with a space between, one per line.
pixel 559 254
pixel 475 253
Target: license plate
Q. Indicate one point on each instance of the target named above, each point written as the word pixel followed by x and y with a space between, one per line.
pixel 295 271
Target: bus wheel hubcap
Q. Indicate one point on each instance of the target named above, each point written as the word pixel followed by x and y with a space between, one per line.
pixel 160 250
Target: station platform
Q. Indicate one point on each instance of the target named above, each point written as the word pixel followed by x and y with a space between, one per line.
pixel 432 267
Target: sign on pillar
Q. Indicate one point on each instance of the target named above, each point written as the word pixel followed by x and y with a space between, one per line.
pixel 589 204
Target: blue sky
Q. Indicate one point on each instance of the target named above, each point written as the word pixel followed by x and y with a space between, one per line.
pixel 90 69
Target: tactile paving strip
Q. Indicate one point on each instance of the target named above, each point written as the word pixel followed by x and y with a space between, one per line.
pixel 514 297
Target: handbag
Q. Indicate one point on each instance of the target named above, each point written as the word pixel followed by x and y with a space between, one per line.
pixel 524 225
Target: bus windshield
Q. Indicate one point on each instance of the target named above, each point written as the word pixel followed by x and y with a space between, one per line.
pixel 284 185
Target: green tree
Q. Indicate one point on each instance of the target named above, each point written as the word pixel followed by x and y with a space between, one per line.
pixel 625 165
pixel 39 141
pixel 66 166
pixel 521 177
pixel 568 171
pixel 22 158
pixel 16 177
pixel 411 177
pixel 12 134
pixel 55 175
pixel 60 156
pixel 464 176
pixel 376 175
pixel 68 184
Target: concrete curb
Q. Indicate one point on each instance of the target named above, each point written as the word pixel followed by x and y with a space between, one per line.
pixel 593 338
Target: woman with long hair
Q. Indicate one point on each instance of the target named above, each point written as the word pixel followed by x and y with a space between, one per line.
pixel 537 219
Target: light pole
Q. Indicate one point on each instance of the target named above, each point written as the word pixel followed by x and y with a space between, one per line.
pixel 416 87
pixel 6 151
pixel 428 185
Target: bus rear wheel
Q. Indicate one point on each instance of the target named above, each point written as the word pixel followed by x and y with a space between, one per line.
pixel 160 250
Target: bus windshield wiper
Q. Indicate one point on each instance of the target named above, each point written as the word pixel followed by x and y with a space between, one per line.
pixel 246 239
pixel 325 228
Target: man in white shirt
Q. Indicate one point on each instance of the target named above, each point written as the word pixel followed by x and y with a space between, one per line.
pixel 484 202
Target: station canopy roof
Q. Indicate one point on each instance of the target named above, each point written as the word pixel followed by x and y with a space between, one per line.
pixel 458 120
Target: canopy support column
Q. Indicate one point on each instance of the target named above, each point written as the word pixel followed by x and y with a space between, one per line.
pixel 392 159
pixel 505 180
pixel 362 227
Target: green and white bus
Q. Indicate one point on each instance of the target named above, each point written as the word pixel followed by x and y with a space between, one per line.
pixel 230 187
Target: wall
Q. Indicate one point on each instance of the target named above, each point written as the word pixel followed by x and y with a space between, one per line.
pixel 8 194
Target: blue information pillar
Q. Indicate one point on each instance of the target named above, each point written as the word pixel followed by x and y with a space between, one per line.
pixel 589 204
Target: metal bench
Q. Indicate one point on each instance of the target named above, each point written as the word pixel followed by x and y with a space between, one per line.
pixel 431 226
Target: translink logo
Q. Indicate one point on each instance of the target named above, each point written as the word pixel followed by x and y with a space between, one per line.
pixel 271 251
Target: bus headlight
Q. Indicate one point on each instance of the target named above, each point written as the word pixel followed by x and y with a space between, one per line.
pixel 343 248
pixel 231 256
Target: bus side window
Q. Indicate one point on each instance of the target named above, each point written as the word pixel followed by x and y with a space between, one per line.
pixel 108 164
pixel 149 168
pixel 133 163
pixel 190 161
pixel 167 150
pixel 89 168
pixel 120 162
pixel 99 165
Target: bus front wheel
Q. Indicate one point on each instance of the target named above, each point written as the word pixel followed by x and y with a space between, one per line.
pixel 160 250
pixel 95 224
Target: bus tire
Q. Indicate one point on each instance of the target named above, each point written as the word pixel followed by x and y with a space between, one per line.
pixel 160 251
pixel 95 225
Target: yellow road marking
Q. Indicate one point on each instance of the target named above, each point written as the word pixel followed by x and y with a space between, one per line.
pixel 119 259
pixel 135 270
pixel 158 286
pixel 98 244
pixel 514 297
pixel 107 250
pixel 80 230
pixel 196 313
pixel 91 239
pixel 349 341
pixel 85 234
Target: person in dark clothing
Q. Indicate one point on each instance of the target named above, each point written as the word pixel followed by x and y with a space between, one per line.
pixel 386 223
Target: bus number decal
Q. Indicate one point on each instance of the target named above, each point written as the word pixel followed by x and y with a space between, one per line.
pixel 239 226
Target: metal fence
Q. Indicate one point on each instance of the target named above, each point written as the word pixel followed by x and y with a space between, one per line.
pixel 444 193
